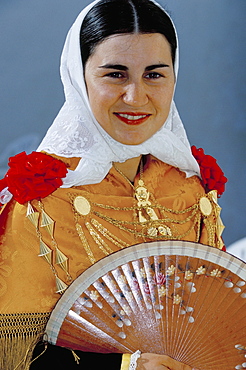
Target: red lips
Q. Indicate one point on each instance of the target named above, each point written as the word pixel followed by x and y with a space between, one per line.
pixel 132 118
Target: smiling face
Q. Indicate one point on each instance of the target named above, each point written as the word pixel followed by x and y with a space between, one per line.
pixel 130 83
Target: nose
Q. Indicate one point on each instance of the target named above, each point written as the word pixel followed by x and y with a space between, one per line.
pixel 135 94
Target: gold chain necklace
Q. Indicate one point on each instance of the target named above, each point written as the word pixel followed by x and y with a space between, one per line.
pixel 145 211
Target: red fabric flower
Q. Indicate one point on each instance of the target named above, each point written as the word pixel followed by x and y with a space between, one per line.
pixel 33 176
pixel 212 176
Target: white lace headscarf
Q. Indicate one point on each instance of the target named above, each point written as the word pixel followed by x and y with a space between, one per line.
pixel 76 133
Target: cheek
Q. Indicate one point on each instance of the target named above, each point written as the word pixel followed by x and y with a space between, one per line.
pixel 163 100
pixel 102 96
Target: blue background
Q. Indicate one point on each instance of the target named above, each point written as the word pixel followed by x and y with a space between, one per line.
pixel 210 93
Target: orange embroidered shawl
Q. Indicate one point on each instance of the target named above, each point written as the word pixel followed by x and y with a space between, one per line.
pixel 109 222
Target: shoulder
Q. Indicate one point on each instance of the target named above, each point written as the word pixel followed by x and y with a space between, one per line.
pixel 70 163
pixel 35 175
pixel 212 176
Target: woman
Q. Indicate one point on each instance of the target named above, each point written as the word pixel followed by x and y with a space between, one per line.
pixel 114 169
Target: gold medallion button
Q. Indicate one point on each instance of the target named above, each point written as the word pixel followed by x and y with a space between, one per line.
pixel 82 205
pixel 205 206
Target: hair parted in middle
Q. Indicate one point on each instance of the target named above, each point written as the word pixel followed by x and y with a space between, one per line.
pixel 110 17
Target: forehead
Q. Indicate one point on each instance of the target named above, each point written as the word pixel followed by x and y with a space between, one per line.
pixel 133 48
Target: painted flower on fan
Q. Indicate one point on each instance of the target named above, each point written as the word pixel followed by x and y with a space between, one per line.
pixel 212 175
pixel 191 287
pixel 188 275
pixel 33 176
pixel 201 270
pixel 135 284
pixel 129 296
pixel 146 288
pixel 162 291
pixel 170 271
pixel 215 273
pixel 177 299
pixel 143 272
pixel 125 310
pixel 122 279
pixel 94 295
pixel 160 279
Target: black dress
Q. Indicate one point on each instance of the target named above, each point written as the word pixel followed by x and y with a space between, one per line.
pixel 58 358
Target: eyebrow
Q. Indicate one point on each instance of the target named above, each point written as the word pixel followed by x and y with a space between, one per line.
pixel 154 66
pixel 124 68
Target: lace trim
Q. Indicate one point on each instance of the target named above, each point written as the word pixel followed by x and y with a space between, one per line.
pixel 134 357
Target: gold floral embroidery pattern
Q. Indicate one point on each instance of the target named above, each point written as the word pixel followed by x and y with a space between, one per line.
pixel 5 272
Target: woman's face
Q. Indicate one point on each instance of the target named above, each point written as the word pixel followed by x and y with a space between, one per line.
pixel 130 83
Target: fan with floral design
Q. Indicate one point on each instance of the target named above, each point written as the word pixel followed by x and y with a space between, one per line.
pixel 178 298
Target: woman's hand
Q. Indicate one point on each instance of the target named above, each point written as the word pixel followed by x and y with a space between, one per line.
pixel 151 361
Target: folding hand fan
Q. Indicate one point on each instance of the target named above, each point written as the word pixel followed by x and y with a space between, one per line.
pixel 182 299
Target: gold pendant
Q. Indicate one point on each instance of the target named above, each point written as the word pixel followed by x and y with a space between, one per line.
pixel 60 285
pixel 32 215
pixel 142 195
pixel 45 252
pixel 47 222
pixel 61 260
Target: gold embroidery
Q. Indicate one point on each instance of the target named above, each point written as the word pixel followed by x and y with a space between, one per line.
pixel 99 241
pixel 5 272
pixel 82 207
pixel 105 232
pixel 125 225
pixel 85 243
pixel 169 227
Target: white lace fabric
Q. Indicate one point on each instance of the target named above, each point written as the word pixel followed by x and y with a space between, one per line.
pixel 133 362
pixel 76 133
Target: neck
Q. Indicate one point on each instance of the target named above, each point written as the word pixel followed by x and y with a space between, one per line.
pixel 129 168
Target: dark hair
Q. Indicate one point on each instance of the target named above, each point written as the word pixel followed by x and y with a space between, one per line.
pixel 109 17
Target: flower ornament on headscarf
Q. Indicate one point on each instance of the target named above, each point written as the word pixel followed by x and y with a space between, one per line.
pixel 76 133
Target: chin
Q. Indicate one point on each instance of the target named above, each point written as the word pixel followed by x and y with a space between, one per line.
pixel 131 142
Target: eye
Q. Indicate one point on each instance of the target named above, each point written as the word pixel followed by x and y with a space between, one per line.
pixel 116 75
pixel 153 75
